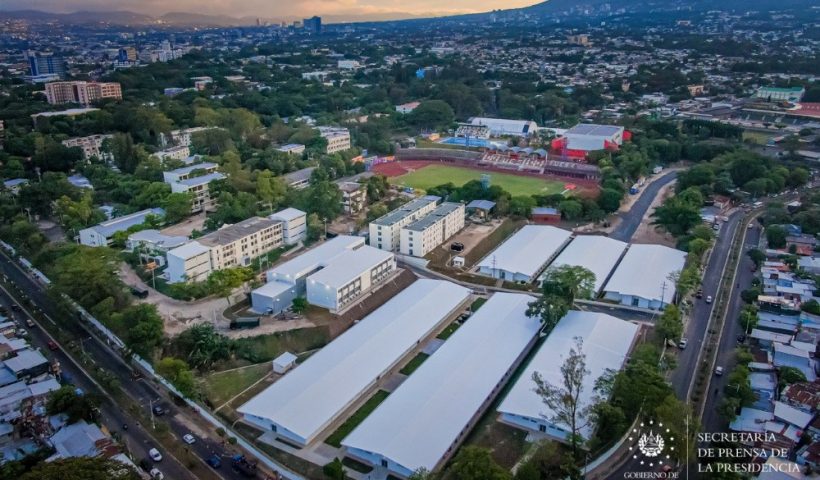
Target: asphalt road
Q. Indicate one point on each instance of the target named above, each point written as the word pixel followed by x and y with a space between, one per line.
pixel 631 220
pixel 712 421
pixel 142 391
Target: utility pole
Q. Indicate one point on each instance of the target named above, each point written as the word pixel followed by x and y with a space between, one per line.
pixel 663 293
pixel 151 406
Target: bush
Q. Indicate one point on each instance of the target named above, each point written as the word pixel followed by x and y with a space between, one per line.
pixel 334 470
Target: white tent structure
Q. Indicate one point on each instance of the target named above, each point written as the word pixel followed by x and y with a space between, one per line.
pixel 522 256
pixel 644 278
pixel 596 253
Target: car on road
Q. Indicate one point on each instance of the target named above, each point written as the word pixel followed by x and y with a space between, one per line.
pixel 700 293
pixel 189 439
pixel 52 345
pixel 718 371
pixel 158 410
pixel 708 299
pixel 30 323
pixel 155 455
pixel 156 474
pixel 15 307
pixel 682 344
pixel 741 338
pixel 214 461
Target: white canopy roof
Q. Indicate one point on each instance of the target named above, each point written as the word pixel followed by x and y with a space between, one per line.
pixel 596 253
pixel 527 250
pixel 643 271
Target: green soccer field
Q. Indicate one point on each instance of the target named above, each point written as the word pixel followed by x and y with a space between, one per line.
pixel 434 175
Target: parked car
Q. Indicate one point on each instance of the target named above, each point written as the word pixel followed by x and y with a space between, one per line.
pixel 682 344
pixel 189 439
pixel 214 461
pixel 156 474
pixel 52 345
pixel 15 307
pixel 741 338
pixel 158 410
pixel 30 323
pixel 457 246
pixel 718 371
pixel 155 455
pixel 700 293
pixel 709 299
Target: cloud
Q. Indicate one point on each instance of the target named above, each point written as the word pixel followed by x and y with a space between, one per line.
pixel 272 9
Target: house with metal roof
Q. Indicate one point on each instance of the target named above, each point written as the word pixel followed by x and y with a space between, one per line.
pixel 101 234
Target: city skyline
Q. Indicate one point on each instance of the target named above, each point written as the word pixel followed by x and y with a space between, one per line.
pixel 333 10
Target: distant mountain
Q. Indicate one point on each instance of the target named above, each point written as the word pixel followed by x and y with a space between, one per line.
pixel 120 17
pixel 601 6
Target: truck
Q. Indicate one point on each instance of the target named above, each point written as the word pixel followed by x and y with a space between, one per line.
pixel 245 322
pixel 244 466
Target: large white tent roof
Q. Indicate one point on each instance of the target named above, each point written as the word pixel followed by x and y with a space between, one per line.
pixel 349 265
pixel 417 424
pixel 596 253
pixel 307 399
pixel 606 344
pixel 527 250
pixel 316 257
pixel 643 271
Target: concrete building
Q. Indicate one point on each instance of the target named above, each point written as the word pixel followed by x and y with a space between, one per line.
pixel 154 241
pixel 45 63
pixel 194 179
pixel 289 280
pixel 348 64
pixel 81 92
pixel 642 278
pixel 545 216
pixel 420 237
pixel 90 145
pixel 406 108
pixel 606 343
pixel 179 152
pixel 525 254
pixel 338 138
pixel 100 235
pixel 292 148
pixel 294 225
pixel 350 276
pixel 774 94
pixel 502 127
pixel 300 178
pixel 385 231
pixel 182 136
pixel 234 245
pixel 303 404
pixel 354 197
pixel 422 423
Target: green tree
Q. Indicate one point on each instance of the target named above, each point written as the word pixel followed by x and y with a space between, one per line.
pixel 609 200
pixel 670 325
pixel 476 463
pixel 315 227
pixel 76 215
pixel 571 209
pixel 202 346
pixel 177 206
pixel 178 373
pixel 432 114
pixel 82 468
pixel 224 282
pixel 300 305
pixel 748 317
pixel 677 215
pixel 143 328
pixel 812 306
pixel 757 256
pixel 789 375
pixel 677 417
pixel 522 206
pixel 334 470
pixel 126 156
pixel 559 288
pixel 75 405
pixel 776 236
pixel 269 189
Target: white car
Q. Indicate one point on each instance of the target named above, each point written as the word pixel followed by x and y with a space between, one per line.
pixel 155 455
pixel 189 439
pixel 682 344
pixel 709 299
pixel 156 474
pixel 718 371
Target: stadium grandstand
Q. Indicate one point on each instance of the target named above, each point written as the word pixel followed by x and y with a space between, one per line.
pixel 468 130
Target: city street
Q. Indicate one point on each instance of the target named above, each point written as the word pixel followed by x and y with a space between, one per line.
pixel 631 220
pixel 143 391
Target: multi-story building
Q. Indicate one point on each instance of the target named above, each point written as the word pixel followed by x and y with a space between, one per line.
pixel 313 24
pixel 81 92
pixel 180 152
pixel 90 145
pixel 427 233
pixel 350 275
pixel 181 136
pixel 194 179
pixel 292 148
pixel 45 63
pixel 338 139
pixel 294 225
pixel 385 231
pixel 774 94
pixel 354 197
pixel 127 54
pixel 100 235
pixel 231 246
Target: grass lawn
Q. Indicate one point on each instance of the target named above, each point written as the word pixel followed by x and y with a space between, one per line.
pixel 451 329
pixel 477 303
pixel 222 386
pixel 759 138
pixel 413 364
pixel 434 175
pixel 263 348
pixel 335 438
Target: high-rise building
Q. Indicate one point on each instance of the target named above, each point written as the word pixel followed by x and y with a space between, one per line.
pixel 45 63
pixel 313 24
pixel 81 92
pixel 127 54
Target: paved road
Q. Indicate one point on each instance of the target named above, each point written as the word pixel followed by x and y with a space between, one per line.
pixel 143 391
pixel 631 220
pixel 712 421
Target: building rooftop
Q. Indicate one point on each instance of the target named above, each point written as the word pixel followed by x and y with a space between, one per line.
pixel 190 249
pixel 348 265
pixel 288 214
pixel 417 424
pixel 311 396
pixel 594 130
pixel 231 233
pixel 528 250
pixel 437 214
pixel 298 176
pixel 25 360
pixel 158 238
pixel 202 179
pixel 110 227
pixel 314 258
pixel 190 168
pixel 644 270
pixel 596 253
pixel 408 208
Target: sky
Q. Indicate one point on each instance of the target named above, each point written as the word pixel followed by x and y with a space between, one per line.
pixel 275 9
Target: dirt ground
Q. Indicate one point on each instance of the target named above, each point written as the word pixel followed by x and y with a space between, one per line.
pixel 184 229
pixel 648 233
pixel 470 236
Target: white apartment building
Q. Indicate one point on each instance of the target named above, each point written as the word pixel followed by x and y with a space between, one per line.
pixel 90 145
pixel 385 231
pixel 292 148
pixel 350 275
pixel 427 233
pixel 294 225
pixel 180 152
pixel 348 64
pixel 231 246
pixel 338 139
pixel 182 136
pixel 194 179
pixel 100 235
